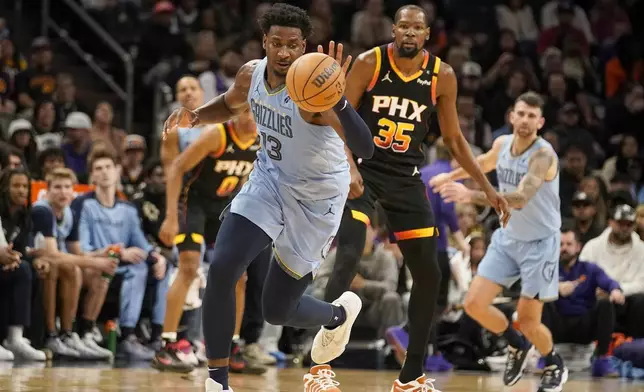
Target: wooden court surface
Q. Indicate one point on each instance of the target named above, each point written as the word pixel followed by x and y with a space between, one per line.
pixel 79 379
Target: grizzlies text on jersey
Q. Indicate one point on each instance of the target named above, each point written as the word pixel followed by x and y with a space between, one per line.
pixel 397 109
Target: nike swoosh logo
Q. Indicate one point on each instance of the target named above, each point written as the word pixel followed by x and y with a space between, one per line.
pixel 345 105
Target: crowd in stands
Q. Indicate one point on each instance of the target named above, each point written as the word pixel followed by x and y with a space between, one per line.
pixel 74 185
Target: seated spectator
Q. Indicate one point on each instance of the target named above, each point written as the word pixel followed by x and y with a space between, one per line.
pixel 375 283
pixel 39 80
pixel 21 136
pixel 574 167
pixel 596 189
pixel 584 211
pixel 105 221
pixel 578 316
pixel 44 117
pixel 620 252
pixel 549 17
pixel 370 27
pixel 608 21
pixel 553 36
pixel 49 160
pixel 625 112
pixel 517 16
pixel 11 61
pixel 77 127
pixel 54 221
pixel 16 272
pixel 104 130
pixel 134 150
pixel 628 148
pixel 12 158
pixel 625 66
pixel 66 101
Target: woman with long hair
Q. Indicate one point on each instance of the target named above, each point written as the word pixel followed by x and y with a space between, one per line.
pixel 16 271
pixel 595 188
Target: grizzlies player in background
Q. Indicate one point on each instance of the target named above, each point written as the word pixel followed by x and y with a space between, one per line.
pixel 214 160
pixel 396 88
pixel 527 248
pixel 293 199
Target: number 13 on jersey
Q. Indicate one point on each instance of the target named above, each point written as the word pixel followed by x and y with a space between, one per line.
pixel 392 135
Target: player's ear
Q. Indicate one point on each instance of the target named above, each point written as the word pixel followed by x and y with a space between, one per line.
pixel 542 121
pixel 427 34
pixel 393 31
pixel 264 42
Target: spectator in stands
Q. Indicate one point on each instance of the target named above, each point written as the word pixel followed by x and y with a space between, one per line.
pixel 11 61
pixel 45 117
pixel 515 85
pixel 584 212
pixel 13 158
pixel 134 149
pixel 620 252
pixel 608 21
pixel 66 101
pixel 475 129
pixel 104 130
pixel 375 282
pixel 7 105
pixel 578 316
pixel 550 17
pixel 571 131
pixel 625 112
pixel 625 66
pixel 596 189
pixel 21 136
pixel 39 80
pixel 77 127
pixel 574 167
pixel 16 272
pixel 438 38
pixel 471 82
pixel 106 221
pixel 189 16
pixel 53 220
pixel 628 148
pixel 231 61
pixel 564 29
pixel 639 222
pixel 252 50
pixel 517 16
pixel 230 21
pixel 371 27
pixel 48 160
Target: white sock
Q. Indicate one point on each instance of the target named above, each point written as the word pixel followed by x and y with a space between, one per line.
pixel 14 333
pixel 171 336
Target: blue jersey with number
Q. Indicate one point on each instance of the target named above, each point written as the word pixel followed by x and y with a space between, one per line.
pixel 541 216
pixel 308 160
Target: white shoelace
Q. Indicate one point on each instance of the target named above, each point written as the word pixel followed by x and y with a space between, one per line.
pixel 325 379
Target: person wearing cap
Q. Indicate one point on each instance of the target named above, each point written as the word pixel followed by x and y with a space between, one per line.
pixel 77 126
pixel 21 136
pixel 39 80
pixel 578 316
pixel 620 252
pixel 134 149
pixel 584 212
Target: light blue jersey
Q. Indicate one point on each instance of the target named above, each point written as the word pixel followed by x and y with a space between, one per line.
pixel 541 217
pixel 187 136
pixel 528 247
pixel 300 182
pixel 46 223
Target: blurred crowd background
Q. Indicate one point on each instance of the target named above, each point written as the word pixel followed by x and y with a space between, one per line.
pixel 77 74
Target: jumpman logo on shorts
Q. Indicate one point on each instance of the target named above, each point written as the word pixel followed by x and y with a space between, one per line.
pixel 329 212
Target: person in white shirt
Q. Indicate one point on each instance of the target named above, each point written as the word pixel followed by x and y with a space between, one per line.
pixel 620 252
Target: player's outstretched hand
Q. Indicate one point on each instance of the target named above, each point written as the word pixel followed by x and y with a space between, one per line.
pixel 501 206
pixel 438 181
pixel 179 115
pixel 455 192
pixel 337 55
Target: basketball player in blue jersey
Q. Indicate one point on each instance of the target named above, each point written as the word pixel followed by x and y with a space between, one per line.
pixel 293 198
pixel 214 159
pixel 527 248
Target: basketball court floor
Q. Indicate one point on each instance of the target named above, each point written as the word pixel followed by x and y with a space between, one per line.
pixel 87 379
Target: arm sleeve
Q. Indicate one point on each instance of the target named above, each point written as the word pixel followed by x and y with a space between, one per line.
pixel 43 221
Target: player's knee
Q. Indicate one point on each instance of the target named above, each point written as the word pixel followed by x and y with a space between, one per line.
pixel 274 311
pixel 529 324
pixel 69 272
pixel 189 263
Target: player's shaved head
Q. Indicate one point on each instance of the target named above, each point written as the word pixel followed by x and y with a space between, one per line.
pixel 189 92
pixel 412 8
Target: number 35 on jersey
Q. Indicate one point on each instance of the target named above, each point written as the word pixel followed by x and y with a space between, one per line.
pixel 392 134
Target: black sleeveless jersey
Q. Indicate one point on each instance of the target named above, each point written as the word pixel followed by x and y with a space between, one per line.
pixel 220 174
pixel 397 109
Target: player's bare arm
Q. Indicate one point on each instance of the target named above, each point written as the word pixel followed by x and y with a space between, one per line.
pixel 486 161
pixel 169 147
pixel 446 92
pixel 223 107
pixel 542 167
pixel 343 118
pixel 209 142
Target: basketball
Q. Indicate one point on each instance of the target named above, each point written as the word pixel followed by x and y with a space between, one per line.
pixel 315 82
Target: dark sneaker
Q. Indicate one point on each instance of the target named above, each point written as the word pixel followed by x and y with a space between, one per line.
pixel 238 364
pixel 171 358
pixel 516 364
pixel 604 367
pixel 553 378
pixel 437 364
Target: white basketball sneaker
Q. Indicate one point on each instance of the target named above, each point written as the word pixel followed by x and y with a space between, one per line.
pixel 330 343
pixel 214 386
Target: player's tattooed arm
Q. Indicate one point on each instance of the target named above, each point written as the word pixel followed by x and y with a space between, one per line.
pixel 234 101
pixel 541 164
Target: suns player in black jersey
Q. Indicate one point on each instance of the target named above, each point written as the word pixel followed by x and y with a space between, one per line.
pixel 396 87
pixel 213 161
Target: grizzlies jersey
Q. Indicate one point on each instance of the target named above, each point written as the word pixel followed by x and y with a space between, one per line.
pixel 219 174
pixel 64 229
pixel 541 217
pixel 307 160
pixel 397 109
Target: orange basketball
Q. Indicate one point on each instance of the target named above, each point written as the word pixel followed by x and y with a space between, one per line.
pixel 315 82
